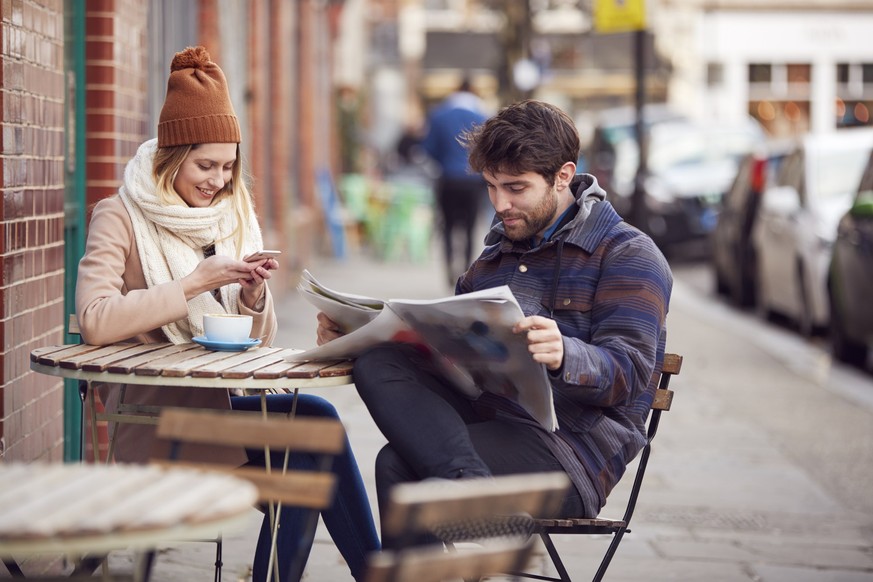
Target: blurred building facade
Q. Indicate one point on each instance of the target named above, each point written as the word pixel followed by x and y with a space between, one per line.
pixel 417 51
pixel 795 65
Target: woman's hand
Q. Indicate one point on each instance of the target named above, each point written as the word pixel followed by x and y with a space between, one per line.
pixel 218 271
pixel 253 287
pixel 544 340
pixel 327 330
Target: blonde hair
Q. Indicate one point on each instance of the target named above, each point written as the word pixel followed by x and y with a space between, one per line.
pixel 166 166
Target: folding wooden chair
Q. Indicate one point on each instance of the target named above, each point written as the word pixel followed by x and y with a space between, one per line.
pixel 616 527
pixel 494 513
pixel 313 490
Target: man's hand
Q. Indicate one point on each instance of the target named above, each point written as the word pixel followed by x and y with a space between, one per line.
pixel 544 340
pixel 328 329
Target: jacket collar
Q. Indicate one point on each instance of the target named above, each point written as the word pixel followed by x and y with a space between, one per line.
pixel 594 219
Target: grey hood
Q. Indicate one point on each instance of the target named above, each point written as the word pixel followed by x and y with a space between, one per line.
pixel 587 192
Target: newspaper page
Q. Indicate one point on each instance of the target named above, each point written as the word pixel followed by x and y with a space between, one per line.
pixel 470 335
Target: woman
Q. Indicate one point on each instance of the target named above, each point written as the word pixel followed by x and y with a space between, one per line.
pixel 168 249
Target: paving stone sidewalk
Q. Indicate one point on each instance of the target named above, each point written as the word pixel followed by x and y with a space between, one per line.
pixel 724 500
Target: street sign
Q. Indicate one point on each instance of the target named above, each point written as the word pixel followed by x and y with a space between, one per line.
pixel 619 15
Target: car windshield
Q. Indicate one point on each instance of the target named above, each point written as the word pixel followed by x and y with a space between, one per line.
pixel 676 144
pixel 836 173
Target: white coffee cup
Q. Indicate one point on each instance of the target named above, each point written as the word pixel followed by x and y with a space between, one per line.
pixel 227 327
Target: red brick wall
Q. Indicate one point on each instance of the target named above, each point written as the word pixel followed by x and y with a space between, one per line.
pixel 32 108
pixel 31 224
pixel 116 77
pixel 116 90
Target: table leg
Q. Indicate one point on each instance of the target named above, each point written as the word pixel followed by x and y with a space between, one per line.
pixel 92 413
pixel 110 454
pixel 272 508
pixel 276 510
pixel 144 563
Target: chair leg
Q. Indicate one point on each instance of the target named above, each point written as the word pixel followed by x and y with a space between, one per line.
pixel 613 546
pixel 88 565
pixel 218 562
pixel 13 568
pixel 556 558
pixel 143 570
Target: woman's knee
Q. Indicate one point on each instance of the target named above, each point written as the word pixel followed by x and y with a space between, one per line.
pixel 311 405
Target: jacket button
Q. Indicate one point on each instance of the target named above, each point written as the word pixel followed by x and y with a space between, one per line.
pixel 522 268
pixel 566 302
pixel 567 376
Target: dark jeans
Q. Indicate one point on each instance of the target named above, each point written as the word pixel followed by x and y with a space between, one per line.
pixel 459 201
pixel 349 520
pixel 433 431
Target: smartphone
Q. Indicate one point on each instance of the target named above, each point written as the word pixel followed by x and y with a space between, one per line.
pixel 261 255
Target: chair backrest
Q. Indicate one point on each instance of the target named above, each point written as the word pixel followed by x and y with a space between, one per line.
pixel 311 489
pixel 663 395
pixel 487 510
pixel 73 325
pixel 663 400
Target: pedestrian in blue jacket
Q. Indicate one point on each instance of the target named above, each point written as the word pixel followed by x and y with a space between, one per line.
pixel 459 192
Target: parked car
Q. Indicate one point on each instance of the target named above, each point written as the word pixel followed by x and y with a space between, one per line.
pixel 733 258
pixel 615 171
pixel 612 155
pixel 797 224
pixel 850 278
pixel 689 167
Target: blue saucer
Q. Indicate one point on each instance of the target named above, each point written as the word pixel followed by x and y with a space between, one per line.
pixel 226 346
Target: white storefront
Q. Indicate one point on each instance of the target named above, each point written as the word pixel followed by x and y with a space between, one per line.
pixel 796 71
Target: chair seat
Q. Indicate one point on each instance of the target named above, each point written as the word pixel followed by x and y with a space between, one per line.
pixel 588 525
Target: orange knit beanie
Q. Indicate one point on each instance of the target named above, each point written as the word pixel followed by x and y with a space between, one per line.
pixel 197 108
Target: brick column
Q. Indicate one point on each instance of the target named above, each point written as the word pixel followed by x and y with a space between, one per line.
pixel 117 109
pixel 31 225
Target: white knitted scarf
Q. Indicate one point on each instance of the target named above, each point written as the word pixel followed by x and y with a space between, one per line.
pixel 171 239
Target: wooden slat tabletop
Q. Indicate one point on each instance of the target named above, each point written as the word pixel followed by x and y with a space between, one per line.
pixel 54 501
pixel 187 365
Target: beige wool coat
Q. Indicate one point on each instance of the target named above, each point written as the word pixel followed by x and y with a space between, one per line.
pixel 113 304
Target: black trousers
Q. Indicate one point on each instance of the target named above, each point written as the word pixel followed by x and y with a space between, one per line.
pixel 459 201
pixel 433 430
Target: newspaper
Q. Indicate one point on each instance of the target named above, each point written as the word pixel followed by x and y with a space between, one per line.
pixel 470 335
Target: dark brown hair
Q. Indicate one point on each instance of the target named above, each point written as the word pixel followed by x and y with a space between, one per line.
pixel 528 136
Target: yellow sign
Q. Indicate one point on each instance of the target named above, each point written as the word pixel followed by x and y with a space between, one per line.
pixel 619 15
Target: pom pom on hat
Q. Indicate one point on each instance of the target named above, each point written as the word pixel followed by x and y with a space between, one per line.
pixel 197 108
pixel 195 57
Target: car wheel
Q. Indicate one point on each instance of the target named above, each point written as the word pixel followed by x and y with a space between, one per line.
pixel 746 281
pixel 721 286
pixel 842 346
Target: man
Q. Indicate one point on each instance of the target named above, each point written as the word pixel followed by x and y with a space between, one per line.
pixel 595 293
pixel 459 193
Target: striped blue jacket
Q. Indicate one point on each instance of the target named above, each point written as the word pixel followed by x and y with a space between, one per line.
pixel 608 287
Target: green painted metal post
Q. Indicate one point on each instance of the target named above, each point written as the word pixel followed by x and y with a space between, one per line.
pixel 74 205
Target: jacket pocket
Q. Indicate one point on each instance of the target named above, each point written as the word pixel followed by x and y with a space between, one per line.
pixel 572 314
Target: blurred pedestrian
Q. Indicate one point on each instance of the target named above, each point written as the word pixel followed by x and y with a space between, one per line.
pixel 169 248
pixel 459 192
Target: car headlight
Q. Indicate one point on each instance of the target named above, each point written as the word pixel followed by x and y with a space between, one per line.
pixel 658 195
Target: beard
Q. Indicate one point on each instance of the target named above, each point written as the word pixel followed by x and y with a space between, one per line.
pixel 533 222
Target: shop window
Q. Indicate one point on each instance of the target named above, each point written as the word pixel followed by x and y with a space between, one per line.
pixel 714 74
pixel 760 73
